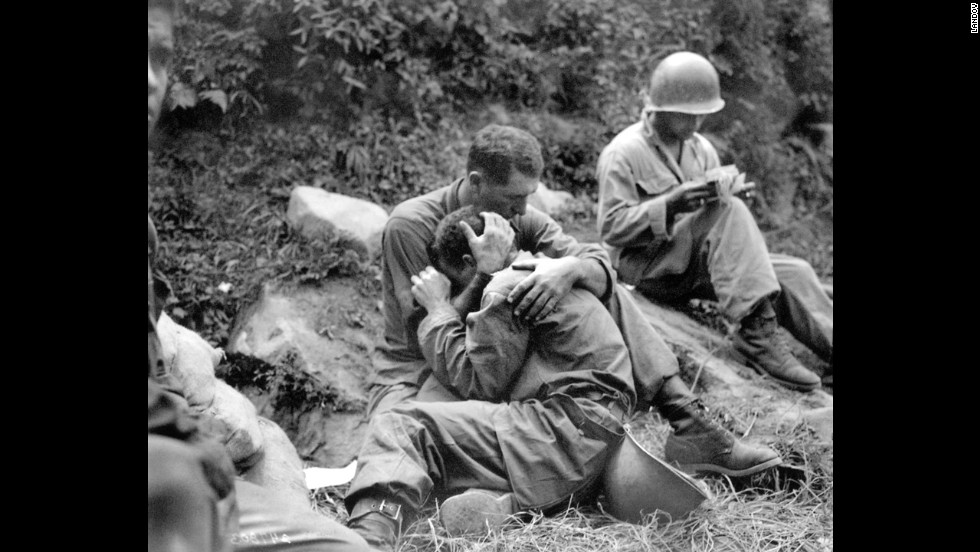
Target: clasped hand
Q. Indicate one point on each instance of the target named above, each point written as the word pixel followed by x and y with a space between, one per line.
pixel 431 288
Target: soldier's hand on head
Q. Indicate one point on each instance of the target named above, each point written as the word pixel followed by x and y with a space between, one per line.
pixel 431 288
pixel 540 292
pixel 492 248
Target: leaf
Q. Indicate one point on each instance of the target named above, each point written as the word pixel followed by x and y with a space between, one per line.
pixel 182 95
pixel 354 82
pixel 217 97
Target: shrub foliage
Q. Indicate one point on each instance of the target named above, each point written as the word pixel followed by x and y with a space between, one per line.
pixel 377 99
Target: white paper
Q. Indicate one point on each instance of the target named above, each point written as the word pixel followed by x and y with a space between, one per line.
pixel 329 477
pixel 730 181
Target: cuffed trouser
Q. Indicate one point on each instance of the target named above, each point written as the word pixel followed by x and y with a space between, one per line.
pixel 653 361
pixel 183 510
pixel 719 253
pixel 803 307
pixel 268 522
pixel 545 452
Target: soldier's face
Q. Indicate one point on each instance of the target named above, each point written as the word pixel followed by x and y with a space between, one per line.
pixel 507 200
pixel 159 52
pixel 672 126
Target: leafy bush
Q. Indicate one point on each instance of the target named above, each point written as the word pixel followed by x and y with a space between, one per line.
pixel 378 99
pixel 220 243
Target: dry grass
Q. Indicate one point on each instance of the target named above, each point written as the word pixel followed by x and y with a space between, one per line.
pixel 788 509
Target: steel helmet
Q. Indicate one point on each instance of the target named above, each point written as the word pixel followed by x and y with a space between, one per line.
pixel 686 83
pixel 637 483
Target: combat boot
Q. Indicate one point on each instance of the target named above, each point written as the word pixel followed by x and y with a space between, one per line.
pixel 762 348
pixel 477 511
pixel 378 521
pixel 698 444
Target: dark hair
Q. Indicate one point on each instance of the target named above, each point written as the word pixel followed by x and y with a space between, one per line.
pixel 449 243
pixel 497 149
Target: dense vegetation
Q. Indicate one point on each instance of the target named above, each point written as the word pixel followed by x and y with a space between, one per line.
pixel 377 99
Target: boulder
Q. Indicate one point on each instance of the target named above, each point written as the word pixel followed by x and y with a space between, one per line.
pixel 316 213
pixel 191 359
pixel 327 332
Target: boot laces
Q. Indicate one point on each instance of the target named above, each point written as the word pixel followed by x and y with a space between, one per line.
pixel 705 414
pixel 768 328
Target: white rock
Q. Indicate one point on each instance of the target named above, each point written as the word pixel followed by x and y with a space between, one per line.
pixel 316 213
pixel 549 201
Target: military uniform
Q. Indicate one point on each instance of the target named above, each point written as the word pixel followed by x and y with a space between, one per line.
pixel 716 252
pixel 400 367
pixel 544 402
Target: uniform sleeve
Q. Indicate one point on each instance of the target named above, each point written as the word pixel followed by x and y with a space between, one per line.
pixel 480 360
pixel 405 255
pixel 539 233
pixel 623 220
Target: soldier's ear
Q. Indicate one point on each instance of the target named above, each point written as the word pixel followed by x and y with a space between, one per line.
pixel 469 260
pixel 476 179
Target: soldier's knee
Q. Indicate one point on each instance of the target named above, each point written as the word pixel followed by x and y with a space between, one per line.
pixel 737 206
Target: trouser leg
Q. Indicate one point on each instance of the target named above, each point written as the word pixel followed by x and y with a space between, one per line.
pixel 717 253
pixel 803 307
pixel 381 398
pixel 653 361
pixel 542 451
pixel 413 447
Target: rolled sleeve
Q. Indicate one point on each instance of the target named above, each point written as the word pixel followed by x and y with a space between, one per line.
pixel 539 233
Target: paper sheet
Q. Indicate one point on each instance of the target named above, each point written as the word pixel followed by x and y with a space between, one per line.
pixel 329 477
pixel 730 181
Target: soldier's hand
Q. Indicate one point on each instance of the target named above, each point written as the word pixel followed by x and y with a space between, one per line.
pixel 491 249
pixel 431 288
pixel 747 191
pixel 690 196
pixel 541 291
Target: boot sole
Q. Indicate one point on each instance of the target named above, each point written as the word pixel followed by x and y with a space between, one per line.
pixel 796 386
pixel 713 468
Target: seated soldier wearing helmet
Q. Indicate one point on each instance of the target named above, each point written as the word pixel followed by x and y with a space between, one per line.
pixel 545 402
pixel 674 229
